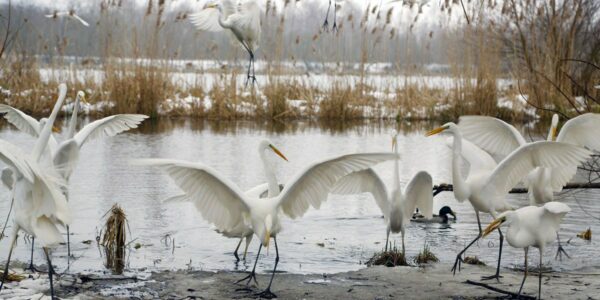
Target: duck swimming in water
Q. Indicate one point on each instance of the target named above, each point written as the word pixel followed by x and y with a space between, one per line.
pixel 441 217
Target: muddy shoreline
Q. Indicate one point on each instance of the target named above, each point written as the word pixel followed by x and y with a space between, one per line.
pixel 433 281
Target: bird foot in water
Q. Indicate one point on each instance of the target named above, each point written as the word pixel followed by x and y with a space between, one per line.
pixel 266 294
pixel 334 29
pixel 249 78
pixel 457 263
pixel 249 278
pixel 326 26
pixel 496 276
pixel 560 252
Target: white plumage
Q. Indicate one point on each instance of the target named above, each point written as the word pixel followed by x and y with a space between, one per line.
pixel 398 207
pixel 69 14
pixel 501 138
pixel 531 226
pixel 241 18
pixel 223 204
pixel 487 184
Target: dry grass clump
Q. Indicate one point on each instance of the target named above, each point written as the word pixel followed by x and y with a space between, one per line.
pixel 426 256
pixel 340 103
pixel 114 239
pixel 391 258
pixel 473 260
pixel 12 277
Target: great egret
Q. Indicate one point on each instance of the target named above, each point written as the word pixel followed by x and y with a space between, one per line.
pixel 531 226
pixel 241 18
pixel 488 183
pixel 269 189
pixel 397 207
pixel 223 204
pixel 326 22
pixel 70 14
pixel 65 155
pixel 500 138
pixel 40 206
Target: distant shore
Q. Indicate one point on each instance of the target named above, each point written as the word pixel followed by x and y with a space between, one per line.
pixel 431 282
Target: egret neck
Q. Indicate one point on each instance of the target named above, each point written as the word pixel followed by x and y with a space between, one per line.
pixel 461 190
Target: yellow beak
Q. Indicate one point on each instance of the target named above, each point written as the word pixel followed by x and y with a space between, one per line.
pixel 267 239
pixel 55 129
pixel 212 5
pixel 394 143
pixel 435 131
pixel 554 134
pixel 495 224
pixel 83 99
pixel 278 152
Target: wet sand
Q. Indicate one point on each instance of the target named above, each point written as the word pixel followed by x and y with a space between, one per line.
pixel 433 281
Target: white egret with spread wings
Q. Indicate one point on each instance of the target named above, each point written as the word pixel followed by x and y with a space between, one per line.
pixel 488 182
pixel 223 204
pixel 40 207
pixel 65 154
pixel 397 207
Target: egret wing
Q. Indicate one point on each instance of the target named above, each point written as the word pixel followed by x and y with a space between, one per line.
pixel 206 20
pixel 419 193
pixel 21 120
pixel 218 200
pixel 66 157
pixel 365 181
pixel 478 159
pixel 82 21
pixel 311 187
pixel 13 157
pixel 109 126
pixel 525 159
pixel 7 178
pixel 491 134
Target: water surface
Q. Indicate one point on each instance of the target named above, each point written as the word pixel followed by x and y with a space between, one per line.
pixel 341 236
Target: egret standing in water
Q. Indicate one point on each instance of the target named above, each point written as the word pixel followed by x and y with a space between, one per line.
pixel 501 138
pixel 242 18
pixel 65 155
pixel 40 206
pixel 397 207
pixel 222 203
pixel 488 183
pixel 531 226
pixel 269 189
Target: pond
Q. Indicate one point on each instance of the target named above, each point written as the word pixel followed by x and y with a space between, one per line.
pixel 341 236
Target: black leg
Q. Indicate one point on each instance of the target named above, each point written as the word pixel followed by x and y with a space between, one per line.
pixel 526 271
pixel 387 238
pixel 540 277
pixel 326 23
pixel 267 294
pixel 334 28
pixel 12 245
pixel 50 271
pixel 252 274
pixel 68 246
pixel 459 259
pixel 235 253
pixel 560 250
pixel 31 267
pixel 497 275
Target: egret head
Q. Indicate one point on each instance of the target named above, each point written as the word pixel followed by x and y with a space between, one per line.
pixel 553 128
pixel 267 145
pixel 448 126
pixel 504 218
pixel 81 97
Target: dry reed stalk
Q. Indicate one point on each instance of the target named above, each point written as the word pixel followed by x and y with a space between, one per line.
pixel 114 239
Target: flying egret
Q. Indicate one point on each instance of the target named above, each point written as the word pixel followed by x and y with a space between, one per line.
pixel 501 138
pixel 488 183
pixel 269 189
pixel 531 226
pixel 242 18
pixel 40 206
pixel 70 14
pixel 397 207
pixel 223 204
pixel 65 154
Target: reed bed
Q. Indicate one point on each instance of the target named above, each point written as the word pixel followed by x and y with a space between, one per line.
pixel 114 239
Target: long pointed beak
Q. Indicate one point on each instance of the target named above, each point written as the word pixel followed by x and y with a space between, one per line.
pixel 435 131
pixel 84 100
pixel 453 214
pixel 394 143
pixel 55 129
pixel 267 240
pixel 495 224
pixel 278 152
pixel 554 134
